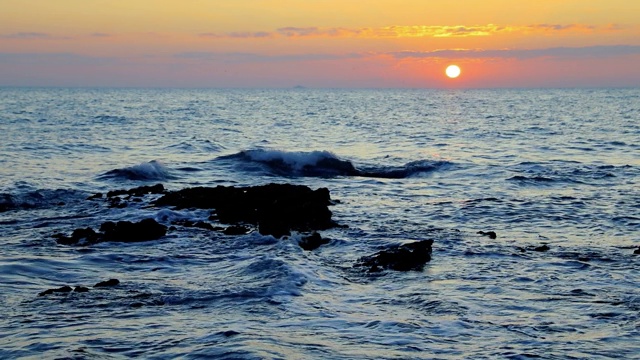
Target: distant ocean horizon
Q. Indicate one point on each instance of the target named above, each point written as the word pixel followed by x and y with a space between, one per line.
pixel 553 172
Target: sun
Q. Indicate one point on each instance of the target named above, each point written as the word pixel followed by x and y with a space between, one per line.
pixel 453 71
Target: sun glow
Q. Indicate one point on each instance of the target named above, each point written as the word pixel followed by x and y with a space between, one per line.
pixel 453 71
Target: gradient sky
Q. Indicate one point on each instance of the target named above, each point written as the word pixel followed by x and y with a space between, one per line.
pixel 319 43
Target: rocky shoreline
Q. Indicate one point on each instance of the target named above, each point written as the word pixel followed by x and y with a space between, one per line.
pixel 275 210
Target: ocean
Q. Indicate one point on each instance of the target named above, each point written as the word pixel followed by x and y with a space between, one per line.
pixel 554 173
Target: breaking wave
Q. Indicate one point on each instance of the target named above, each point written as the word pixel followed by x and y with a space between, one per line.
pixel 327 164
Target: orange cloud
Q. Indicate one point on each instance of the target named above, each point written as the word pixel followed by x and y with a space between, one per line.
pixel 415 31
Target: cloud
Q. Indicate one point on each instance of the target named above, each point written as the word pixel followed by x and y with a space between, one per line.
pixel 599 51
pixel 239 57
pixel 27 35
pixel 318 32
pixel 408 31
pixel 100 35
pixel 238 35
pixel 31 35
pixel 46 59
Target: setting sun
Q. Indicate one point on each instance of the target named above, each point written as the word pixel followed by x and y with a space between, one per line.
pixel 453 71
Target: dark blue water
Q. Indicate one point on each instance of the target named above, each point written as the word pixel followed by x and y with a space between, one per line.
pixel 559 168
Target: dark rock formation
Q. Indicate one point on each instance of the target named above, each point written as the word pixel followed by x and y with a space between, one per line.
pixel 81 289
pixel 86 235
pixel 107 283
pixel 312 242
pixel 275 209
pixel 490 234
pixel 125 231
pixel 122 231
pixel 541 248
pixel 637 251
pixel 236 230
pixel 405 257
pixel 139 191
pixel 64 289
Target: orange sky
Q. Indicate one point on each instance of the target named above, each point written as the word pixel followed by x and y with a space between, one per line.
pixel 319 43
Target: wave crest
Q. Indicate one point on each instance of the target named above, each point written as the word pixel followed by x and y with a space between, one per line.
pixel 152 170
pixel 326 164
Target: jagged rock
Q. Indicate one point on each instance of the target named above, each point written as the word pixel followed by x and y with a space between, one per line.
pixel 405 257
pixel 490 234
pixel 275 209
pixel 64 289
pixel 107 283
pixel 312 242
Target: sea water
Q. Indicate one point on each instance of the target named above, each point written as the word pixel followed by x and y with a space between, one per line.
pixel 554 173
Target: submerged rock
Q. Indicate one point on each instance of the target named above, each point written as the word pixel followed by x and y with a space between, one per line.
pixel 541 248
pixel 312 242
pixel 276 209
pixel 405 257
pixel 64 289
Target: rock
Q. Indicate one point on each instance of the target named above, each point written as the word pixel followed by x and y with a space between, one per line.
pixel 275 209
pixel 139 191
pixel 312 242
pixel 117 203
pixel 637 251
pixel 125 231
pixel 236 230
pixel 405 257
pixel 542 248
pixel 87 235
pixel 80 289
pixel 274 227
pixel 107 283
pixel 64 289
pixel 122 231
pixel 490 234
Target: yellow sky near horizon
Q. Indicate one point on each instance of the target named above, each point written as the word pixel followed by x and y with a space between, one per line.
pixel 252 15
pixel 187 31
